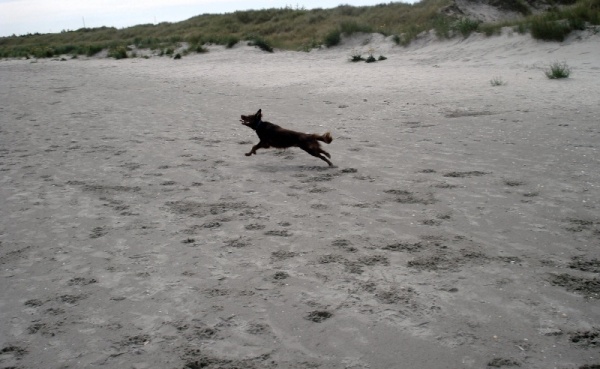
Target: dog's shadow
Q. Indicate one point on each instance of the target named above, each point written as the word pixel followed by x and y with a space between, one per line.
pixel 271 168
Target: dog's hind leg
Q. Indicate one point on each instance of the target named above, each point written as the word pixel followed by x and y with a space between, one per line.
pixel 317 154
pixel 325 159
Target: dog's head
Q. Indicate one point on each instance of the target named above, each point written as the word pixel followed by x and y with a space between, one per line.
pixel 252 120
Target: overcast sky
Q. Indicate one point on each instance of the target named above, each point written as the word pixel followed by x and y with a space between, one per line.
pixel 45 16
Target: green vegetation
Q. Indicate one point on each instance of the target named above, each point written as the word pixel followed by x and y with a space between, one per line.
pixel 557 23
pixel 261 44
pixel 301 29
pixel 466 26
pixel 558 70
pixel 497 81
pixel 356 57
pixel 118 52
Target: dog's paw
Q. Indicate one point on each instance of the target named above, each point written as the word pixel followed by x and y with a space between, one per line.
pixel 248 154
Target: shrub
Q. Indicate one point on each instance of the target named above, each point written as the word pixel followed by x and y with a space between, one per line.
pixel 351 27
pixel 177 56
pixel 558 70
pixel 312 44
pixel 333 38
pixel 199 49
pixel 92 50
pixel 117 52
pixel 356 57
pixel 43 52
pixel 515 5
pixel 442 26
pixel 261 44
pixel 370 59
pixel 576 24
pixel 381 57
pixel 231 41
pixel 490 29
pixel 466 26
pixel 549 30
pixel 406 37
pixel 521 28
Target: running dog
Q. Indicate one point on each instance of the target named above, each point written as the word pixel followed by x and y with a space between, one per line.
pixel 272 135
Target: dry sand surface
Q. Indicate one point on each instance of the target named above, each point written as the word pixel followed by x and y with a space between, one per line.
pixel 460 227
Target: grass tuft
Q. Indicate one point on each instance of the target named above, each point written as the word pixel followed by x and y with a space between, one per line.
pixel 558 70
pixel 356 57
pixel 497 81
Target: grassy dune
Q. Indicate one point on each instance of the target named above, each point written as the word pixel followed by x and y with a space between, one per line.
pixel 301 29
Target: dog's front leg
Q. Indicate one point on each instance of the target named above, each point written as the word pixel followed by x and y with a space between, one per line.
pixel 254 148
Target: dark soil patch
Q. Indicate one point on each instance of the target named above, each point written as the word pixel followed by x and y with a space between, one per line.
pixel 579 263
pixel 279 233
pixel 344 244
pixel 353 267
pixel 394 296
pixel 326 259
pixel 500 362
pixel 586 338
pixel 81 281
pixel 98 232
pixel 138 340
pixel 282 255
pixel 280 275
pixel 374 260
pixel 513 183
pixel 589 287
pixel 34 303
pixel 199 209
pixel 107 188
pixel 237 242
pixel 473 173
pixel 17 351
pixel 254 227
pixel 318 316
pixel 579 225
pixel 408 197
pixel 71 299
pixel 404 246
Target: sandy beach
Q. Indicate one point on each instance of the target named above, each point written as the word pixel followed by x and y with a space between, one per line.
pixel 459 228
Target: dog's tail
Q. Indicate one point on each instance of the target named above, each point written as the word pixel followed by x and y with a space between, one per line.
pixel 325 137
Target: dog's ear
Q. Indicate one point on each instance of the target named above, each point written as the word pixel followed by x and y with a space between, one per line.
pixel 258 113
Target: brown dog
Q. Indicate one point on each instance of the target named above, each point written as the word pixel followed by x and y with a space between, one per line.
pixel 272 135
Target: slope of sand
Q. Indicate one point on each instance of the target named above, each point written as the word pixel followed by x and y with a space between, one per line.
pixel 460 227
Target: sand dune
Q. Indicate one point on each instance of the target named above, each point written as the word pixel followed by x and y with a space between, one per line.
pixel 460 227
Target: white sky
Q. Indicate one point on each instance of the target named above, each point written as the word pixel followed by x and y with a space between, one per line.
pixel 47 16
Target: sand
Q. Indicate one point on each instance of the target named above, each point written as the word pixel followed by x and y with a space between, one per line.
pixel 460 227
